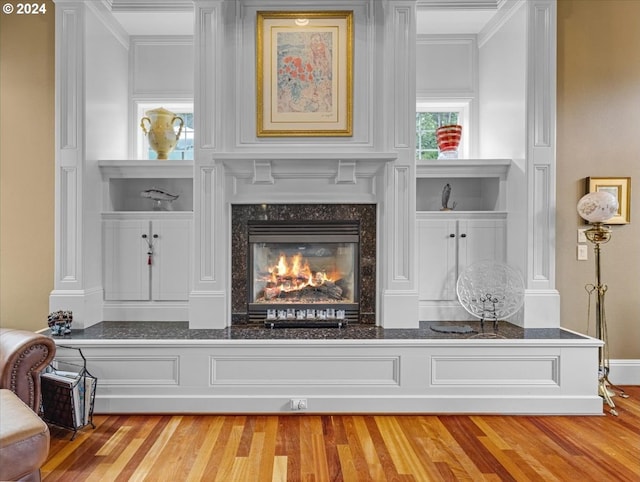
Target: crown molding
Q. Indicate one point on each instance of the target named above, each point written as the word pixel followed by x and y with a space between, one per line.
pixel 123 6
pixel 459 4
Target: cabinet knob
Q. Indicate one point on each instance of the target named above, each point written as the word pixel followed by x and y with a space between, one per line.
pixel 144 236
pixel 463 235
pixel 452 235
pixel 155 236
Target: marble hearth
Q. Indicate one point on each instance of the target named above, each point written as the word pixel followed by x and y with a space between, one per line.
pixel 167 367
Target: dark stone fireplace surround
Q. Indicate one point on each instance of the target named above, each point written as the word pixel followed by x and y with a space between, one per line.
pixel 241 214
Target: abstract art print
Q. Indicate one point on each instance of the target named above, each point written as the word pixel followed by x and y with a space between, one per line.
pixel 304 70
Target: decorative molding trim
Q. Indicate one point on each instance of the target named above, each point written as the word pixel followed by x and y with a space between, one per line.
pixel 506 10
pixel 85 304
pixel 141 371
pixel 69 55
pixel 541 58
pixel 102 11
pixel 140 94
pixel 310 371
pixel 624 372
pixel 149 5
pixel 404 32
pixel 262 172
pixel 540 253
pixel 303 178
pixel 206 212
pixel 346 172
pixel 207 75
pixel 69 252
pixel 458 4
pixel 401 245
pixel 524 370
pixel 469 41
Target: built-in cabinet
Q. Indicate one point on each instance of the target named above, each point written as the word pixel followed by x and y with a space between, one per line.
pixel 473 228
pixel 447 246
pixel 146 246
pixel 147 258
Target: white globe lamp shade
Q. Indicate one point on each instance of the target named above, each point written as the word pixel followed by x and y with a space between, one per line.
pixel 598 207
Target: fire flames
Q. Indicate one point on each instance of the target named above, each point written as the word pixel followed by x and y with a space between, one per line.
pixel 293 273
pixel 291 279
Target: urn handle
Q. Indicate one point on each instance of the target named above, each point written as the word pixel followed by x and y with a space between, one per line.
pixel 145 129
pixel 181 125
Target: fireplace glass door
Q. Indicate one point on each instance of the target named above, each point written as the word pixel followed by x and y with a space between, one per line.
pixel 303 272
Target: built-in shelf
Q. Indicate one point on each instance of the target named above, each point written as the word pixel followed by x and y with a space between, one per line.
pixel 476 185
pixel 463 168
pixel 144 168
pixel 125 180
pixel 461 214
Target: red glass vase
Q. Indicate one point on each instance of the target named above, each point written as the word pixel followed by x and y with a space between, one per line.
pixel 448 139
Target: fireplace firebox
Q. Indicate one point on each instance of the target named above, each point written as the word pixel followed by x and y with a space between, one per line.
pixel 336 242
pixel 304 274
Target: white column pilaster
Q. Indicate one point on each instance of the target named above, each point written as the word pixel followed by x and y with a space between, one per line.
pixel 542 302
pixel 209 302
pixel 400 298
pixel 70 291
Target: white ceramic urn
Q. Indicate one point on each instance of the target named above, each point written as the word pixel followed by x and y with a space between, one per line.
pixel 160 130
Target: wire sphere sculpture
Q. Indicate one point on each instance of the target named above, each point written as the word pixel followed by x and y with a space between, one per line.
pixel 490 290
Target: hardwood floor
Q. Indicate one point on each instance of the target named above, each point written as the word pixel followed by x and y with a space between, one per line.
pixel 351 447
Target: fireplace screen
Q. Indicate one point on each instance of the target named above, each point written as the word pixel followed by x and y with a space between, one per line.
pixel 303 272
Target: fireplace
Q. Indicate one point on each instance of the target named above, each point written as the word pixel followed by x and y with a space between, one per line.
pixel 304 273
pixel 303 264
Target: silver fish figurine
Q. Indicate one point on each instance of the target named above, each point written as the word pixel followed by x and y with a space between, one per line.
pixel 159 195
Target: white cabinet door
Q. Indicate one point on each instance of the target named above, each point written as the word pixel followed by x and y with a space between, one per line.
pixel 480 239
pixel 436 259
pixel 126 270
pixel 446 247
pixel 171 260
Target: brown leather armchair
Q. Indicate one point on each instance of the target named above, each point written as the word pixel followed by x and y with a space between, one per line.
pixel 24 437
pixel 23 356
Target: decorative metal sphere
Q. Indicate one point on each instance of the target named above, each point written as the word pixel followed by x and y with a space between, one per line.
pixel 598 207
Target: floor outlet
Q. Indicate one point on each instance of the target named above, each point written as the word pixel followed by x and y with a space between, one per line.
pixel 298 404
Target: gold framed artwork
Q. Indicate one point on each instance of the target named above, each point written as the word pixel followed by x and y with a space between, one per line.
pixel 620 187
pixel 304 73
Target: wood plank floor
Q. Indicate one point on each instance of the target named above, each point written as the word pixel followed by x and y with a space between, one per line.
pixel 351 448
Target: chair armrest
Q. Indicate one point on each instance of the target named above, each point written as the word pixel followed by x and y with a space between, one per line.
pixel 23 356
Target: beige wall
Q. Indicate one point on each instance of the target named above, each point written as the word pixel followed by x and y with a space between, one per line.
pixel 26 167
pixel 598 135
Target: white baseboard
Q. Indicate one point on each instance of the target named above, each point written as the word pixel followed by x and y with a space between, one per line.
pixel 624 372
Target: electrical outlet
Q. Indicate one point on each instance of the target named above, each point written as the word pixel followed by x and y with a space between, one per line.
pixel 582 252
pixel 298 403
pixel 581 236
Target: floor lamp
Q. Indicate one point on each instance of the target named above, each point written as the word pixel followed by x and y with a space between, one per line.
pixel 597 208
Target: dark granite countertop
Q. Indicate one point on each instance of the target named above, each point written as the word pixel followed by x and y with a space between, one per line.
pixel 149 330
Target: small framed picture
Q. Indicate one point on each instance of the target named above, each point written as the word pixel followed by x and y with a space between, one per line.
pixel 620 187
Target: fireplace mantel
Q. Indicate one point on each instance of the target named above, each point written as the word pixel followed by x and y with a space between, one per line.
pixel 304 177
pixel 343 168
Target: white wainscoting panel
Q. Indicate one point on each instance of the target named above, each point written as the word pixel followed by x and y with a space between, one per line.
pixel 345 376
